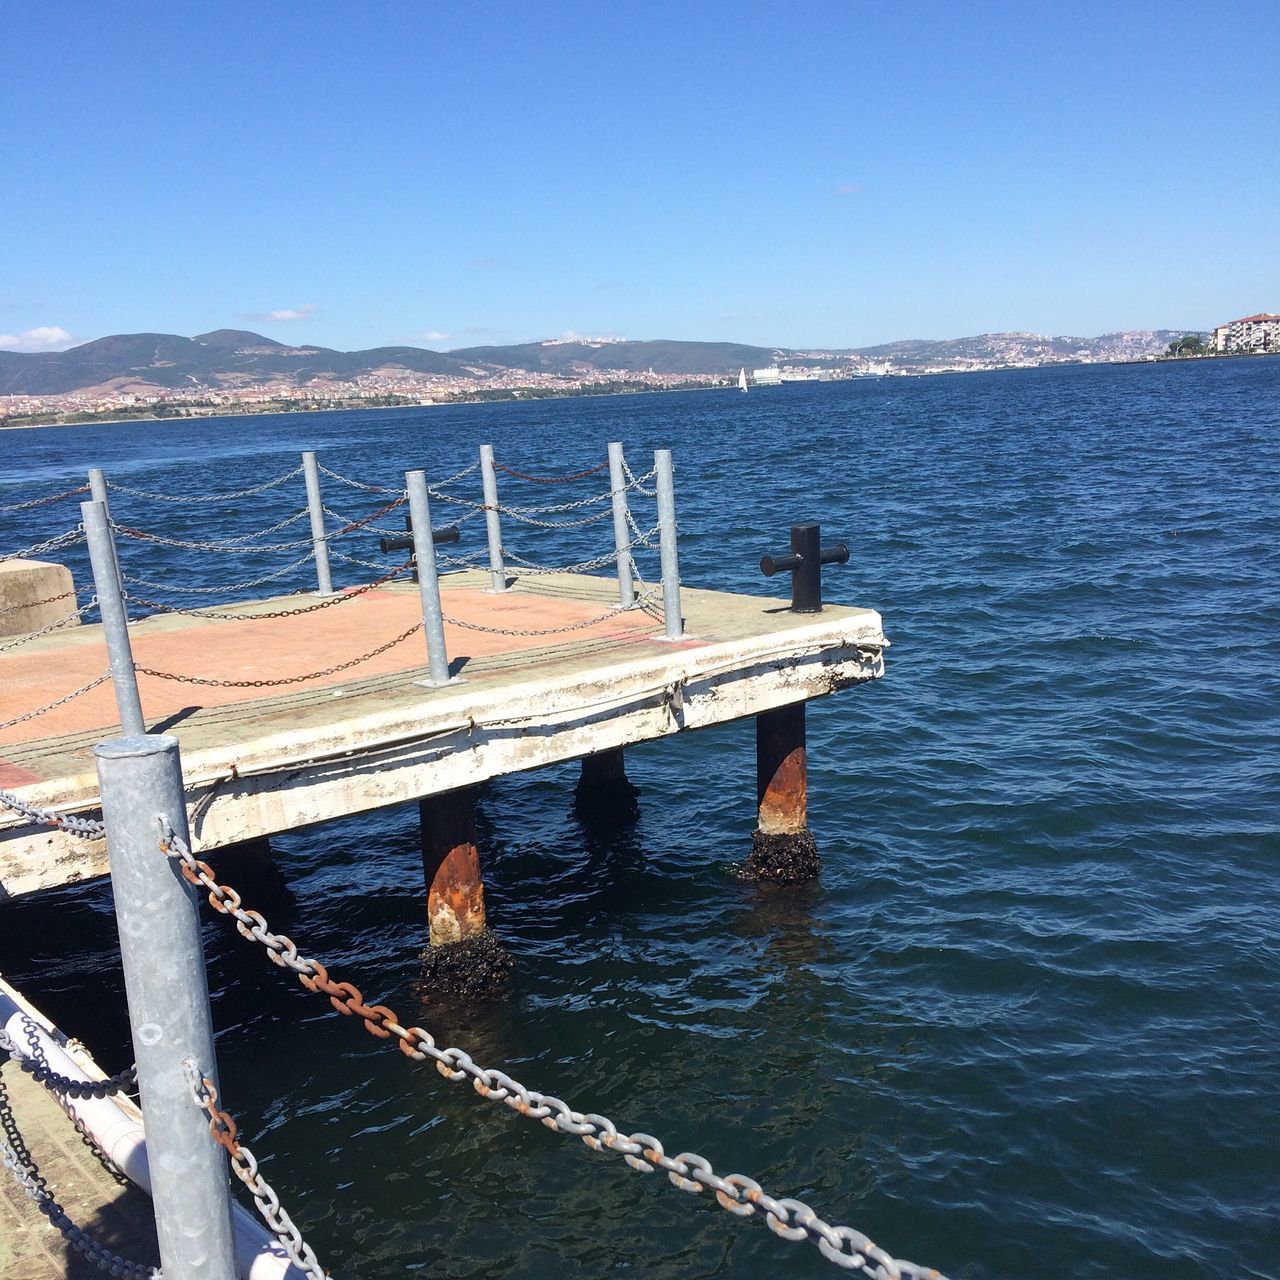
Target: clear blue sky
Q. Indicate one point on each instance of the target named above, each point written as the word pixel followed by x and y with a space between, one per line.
pixel 833 174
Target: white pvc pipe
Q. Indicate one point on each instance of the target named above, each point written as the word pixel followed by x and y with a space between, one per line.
pixel 119 1136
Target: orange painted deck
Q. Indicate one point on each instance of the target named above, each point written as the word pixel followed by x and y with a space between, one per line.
pixel 295 751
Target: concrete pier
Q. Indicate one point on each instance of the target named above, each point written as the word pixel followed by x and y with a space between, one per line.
pixel 298 749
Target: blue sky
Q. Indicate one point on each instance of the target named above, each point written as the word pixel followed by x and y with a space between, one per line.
pixel 806 174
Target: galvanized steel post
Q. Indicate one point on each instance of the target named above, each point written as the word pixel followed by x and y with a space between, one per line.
pixel 492 521
pixel 667 544
pixel 621 533
pixel 115 620
pixel 98 493
pixel 424 551
pixel 164 973
pixel 324 580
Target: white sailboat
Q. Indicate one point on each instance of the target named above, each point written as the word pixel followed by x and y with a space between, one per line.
pixel 742 379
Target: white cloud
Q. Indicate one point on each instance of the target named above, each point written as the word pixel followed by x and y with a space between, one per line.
pixel 45 337
pixel 304 312
pixel 434 335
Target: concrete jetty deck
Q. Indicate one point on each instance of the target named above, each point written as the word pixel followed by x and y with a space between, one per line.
pixel 262 760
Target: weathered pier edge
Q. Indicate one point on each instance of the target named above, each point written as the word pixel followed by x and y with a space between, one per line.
pixel 717 658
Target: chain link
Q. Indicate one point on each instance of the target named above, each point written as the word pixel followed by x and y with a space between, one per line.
pixel 27 1174
pixel 275 574
pixel 582 566
pixel 56 543
pixel 577 475
pixel 282 680
pixel 341 598
pixel 50 626
pixel 35 604
pixel 237 544
pixel 638 483
pixel 245 1166
pixel 85 828
pixel 51 706
pixel 739 1195
pixel 41 502
pixel 39 1070
pixel 185 498
pixel 637 604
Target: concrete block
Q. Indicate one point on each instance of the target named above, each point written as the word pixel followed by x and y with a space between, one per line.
pixel 34 593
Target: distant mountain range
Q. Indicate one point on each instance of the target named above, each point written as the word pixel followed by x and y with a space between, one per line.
pixel 235 358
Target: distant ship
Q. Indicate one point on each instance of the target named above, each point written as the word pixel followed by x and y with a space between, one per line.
pixel 742 379
pixel 768 377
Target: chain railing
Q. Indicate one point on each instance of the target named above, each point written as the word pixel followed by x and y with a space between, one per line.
pixel 247 542
pixel 185 497
pixel 36 1066
pixel 185 589
pixel 57 702
pixel 18 1159
pixel 788 1218
pixel 65 620
pixel 569 479
pixel 245 1166
pixel 57 543
pixel 30 505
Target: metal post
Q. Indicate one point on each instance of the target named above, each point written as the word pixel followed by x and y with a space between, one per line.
pixel 157 912
pixel 492 521
pixel 115 620
pixel 667 544
pixel 621 533
pixel 318 540
pixel 424 552
pixel 98 493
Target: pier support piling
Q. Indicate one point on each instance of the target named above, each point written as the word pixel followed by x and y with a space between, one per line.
pixel 463 957
pixel 605 797
pixel 783 848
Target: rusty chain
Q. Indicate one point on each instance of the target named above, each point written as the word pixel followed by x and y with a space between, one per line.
pixel 85 828
pixel 742 1196
pixel 35 604
pixel 41 502
pixel 577 475
pixel 341 598
pixel 281 680
pixel 57 702
pixel 245 1166
pixel 185 498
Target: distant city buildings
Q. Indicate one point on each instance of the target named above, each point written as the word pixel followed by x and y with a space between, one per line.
pixel 1251 334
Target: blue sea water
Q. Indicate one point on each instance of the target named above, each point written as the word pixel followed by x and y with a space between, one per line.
pixel 1026 1024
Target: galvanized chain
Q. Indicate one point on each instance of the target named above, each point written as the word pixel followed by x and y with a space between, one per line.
pixel 51 706
pixel 555 508
pixel 522 517
pixel 352 525
pixel 85 828
pixel 608 615
pixel 27 1174
pixel 39 1070
pixel 50 626
pixel 432 489
pixel 582 566
pixel 577 475
pixel 275 574
pixel 468 560
pixel 245 1166
pixel 185 498
pixel 283 680
pixel 56 543
pixel 237 544
pixel 368 528
pixel 791 1219
pixel 342 597
pixel 42 502
pixel 637 483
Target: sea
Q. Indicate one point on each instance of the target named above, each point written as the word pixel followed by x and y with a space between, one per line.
pixel 1027 1023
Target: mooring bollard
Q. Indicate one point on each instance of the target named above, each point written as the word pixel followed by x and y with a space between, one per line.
pixel 450 533
pixel 115 619
pixel 492 519
pixel 319 542
pixel 804 563
pixel 164 974
pixel 621 533
pixel 424 552
pixel 667 544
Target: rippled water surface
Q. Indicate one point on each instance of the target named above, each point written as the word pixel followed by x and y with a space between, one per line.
pixel 1027 1022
